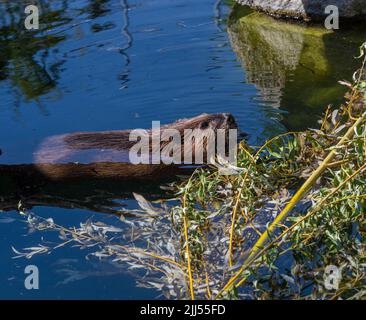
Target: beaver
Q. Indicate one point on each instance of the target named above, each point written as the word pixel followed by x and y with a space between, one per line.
pixel 107 153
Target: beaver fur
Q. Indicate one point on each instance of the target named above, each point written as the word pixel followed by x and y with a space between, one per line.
pixel 106 153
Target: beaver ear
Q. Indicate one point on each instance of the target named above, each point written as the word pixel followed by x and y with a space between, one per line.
pixel 204 125
pixel 229 117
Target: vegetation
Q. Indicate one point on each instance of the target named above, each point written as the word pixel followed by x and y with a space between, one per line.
pixel 311 186
pixel 295 207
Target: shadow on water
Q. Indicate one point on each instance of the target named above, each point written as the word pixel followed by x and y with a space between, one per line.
pixel 100 195
pixel 295 67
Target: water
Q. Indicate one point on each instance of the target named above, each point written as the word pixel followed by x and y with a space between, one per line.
pixel 107 65
pixel 296 68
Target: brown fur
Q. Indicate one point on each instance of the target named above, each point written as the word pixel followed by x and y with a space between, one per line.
pixel 106 153
pixel 119 140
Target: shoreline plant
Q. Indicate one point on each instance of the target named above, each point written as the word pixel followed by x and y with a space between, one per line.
pixel 295 207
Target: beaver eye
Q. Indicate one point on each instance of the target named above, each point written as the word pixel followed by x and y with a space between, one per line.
pixel 204 125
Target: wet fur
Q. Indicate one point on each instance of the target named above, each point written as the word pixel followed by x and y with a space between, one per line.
pixel 113 146
pixel 100 155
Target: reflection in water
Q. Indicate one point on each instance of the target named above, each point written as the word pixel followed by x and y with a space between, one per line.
pixel 218 14
pixel 124 75
pixel 102 195
pixel 295 67
pixel 31 75
pixel 96 8
pixel 26 58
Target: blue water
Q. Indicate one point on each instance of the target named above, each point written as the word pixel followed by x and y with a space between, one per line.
pixel 105 65
pixel 154 60
pixel 170 59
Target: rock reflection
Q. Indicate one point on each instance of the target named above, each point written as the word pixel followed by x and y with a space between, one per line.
pixel 295 67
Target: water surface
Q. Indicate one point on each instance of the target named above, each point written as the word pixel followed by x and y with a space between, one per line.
pixel 109 65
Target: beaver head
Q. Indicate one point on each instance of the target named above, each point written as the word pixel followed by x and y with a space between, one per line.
pixel 205 121
pixel 199 138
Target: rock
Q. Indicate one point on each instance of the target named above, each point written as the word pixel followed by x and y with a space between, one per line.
pixel 307 9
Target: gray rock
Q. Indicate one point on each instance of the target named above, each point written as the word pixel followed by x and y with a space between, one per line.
pixel 308 9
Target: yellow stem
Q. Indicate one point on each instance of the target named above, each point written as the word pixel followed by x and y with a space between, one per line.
pixel 294 200
pixel 308 215
pixel 304 188
pixel 188 254
pixel 188 257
